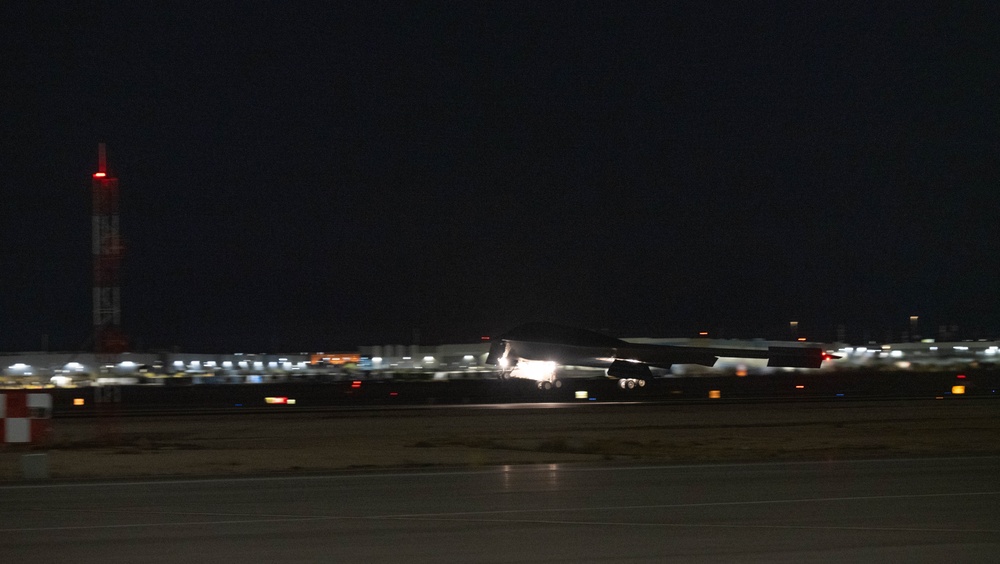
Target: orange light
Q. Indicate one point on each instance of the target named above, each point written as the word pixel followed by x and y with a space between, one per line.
pixel 958 390
pixel 78 401
pixel 100 174
pixel 802 338
pixel 800 387
pixel 703 333
pixel 714 394
pixel 336 359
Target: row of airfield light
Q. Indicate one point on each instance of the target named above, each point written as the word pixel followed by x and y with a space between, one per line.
pixel 933 353
pixel 957 390
pixel 885 352
pixel 377 362
pixel 22 369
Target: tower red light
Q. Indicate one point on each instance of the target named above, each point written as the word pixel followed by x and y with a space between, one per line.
pixel 107 251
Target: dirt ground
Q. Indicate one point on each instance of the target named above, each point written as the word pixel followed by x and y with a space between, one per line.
pixel 219 445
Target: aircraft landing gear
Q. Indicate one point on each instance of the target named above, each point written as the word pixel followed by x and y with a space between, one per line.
pixel 631 383
pixel 547 385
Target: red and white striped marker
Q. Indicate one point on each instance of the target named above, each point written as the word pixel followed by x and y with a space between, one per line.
pixel 24 417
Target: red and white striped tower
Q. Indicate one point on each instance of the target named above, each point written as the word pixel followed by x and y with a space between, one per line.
pixel 107 251
pixel 24 417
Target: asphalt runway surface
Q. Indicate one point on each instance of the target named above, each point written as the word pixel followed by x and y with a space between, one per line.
pixel 901 510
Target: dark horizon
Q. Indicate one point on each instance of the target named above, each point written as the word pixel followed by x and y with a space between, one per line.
pixel 299 176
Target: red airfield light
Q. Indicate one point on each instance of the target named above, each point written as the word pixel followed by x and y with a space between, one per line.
pixel 960 376
pixel 484 338
pixel 100 174
pixel 356 384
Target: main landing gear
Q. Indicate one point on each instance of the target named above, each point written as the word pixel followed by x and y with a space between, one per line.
pixel 631 383
pixel 547 385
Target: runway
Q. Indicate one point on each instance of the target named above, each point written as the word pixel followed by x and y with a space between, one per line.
pixel 912 510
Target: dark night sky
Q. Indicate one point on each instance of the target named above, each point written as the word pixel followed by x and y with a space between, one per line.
pixel 310 176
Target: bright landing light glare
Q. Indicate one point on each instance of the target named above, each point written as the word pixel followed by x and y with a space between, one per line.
pixel 536 369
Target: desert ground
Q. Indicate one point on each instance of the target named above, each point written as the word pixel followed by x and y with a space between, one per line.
pixel 116 447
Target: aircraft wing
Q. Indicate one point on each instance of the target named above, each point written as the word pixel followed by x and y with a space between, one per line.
pixel 663 356
pixel 566 345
